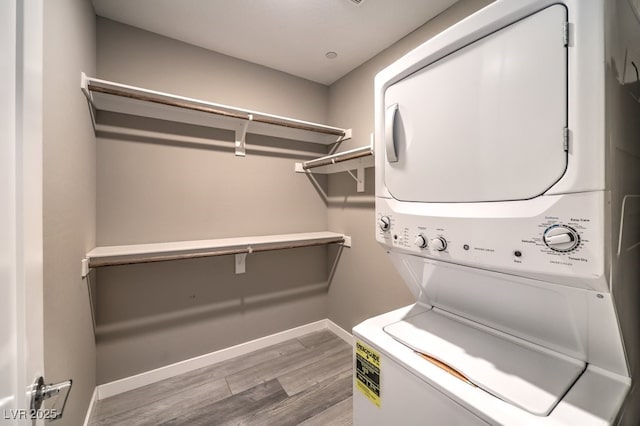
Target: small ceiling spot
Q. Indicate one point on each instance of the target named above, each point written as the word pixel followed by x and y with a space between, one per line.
pixel 357 1
pixel 331 55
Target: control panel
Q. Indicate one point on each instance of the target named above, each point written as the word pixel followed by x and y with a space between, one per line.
pixel 564 238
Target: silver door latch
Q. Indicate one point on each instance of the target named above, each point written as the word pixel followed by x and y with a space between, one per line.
pixel 41 392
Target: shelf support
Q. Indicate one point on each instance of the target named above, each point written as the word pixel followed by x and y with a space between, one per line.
pixel 84 87
pixel 241 136
pixel 85 276
pixel 241 262
pixel 84 267
pixel 355 159
pixel 359 178
pixel 347 136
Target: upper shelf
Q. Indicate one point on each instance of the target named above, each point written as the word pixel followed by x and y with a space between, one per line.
pixel 109 96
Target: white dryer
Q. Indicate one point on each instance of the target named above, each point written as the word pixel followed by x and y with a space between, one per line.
pixel 507 182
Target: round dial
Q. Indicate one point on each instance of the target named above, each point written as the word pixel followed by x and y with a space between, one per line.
pixel 561 238
pixel 421 241
pixel 439 244
pixel 384 223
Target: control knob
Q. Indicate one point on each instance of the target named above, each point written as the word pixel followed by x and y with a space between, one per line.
pixel 384 223
pixel 561 238
pixel 439 244
pixel 421 241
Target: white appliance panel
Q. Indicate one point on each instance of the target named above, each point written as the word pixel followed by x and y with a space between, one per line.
pixel 505 226
pixel 484 123
pixel 506 236
pixel 527 376
pixel 419 403
pixel 579 323
pixel 593 400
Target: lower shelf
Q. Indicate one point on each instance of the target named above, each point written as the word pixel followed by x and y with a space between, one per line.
pixel 240 246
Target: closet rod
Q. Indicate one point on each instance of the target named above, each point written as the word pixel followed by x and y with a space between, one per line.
pixel 164 258
pixel 208 110
pixel 337 158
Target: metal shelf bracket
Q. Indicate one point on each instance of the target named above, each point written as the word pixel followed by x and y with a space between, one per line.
pixel 84 266
pixel 241 136
pixel 357 159
pixel 241 263
pixel 359 178
pixel 347 136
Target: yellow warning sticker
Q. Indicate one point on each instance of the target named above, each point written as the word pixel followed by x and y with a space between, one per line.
pixel 368 372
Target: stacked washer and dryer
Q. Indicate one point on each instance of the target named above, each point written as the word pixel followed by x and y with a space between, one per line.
pixel 507 196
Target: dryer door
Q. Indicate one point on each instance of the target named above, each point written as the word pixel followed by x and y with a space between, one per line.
pixel 485 123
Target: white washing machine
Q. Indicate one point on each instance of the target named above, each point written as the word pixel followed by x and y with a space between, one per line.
pixel 507 196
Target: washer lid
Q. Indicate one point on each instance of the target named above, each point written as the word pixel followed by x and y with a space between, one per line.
pixel 521 373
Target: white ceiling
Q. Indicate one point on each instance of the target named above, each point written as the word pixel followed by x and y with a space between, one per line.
pixel 288 35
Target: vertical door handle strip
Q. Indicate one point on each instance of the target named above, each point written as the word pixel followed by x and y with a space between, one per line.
pixel 389 124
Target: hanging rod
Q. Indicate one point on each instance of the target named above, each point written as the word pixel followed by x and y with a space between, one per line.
pixel 158 100
pixel 97 263
pixel 338 157
pixel 194 107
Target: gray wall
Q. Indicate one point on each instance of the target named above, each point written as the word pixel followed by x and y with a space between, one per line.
pixel 69 200
pixel 365 283
pixel 161 181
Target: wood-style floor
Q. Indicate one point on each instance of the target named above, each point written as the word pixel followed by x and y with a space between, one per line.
pixel 305 381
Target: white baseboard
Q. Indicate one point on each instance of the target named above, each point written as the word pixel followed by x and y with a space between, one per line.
pixel 340 332
pixel 133 382
pixel 94 398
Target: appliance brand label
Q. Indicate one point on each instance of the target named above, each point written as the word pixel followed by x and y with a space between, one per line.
pixel 484 249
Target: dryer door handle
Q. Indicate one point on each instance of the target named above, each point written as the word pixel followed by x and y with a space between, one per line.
pixel 389 126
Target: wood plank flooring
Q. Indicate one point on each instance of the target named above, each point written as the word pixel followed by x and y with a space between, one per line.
pixel 306 381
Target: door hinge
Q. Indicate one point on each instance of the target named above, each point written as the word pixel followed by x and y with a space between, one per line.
pixel 565 33
pixel 565 139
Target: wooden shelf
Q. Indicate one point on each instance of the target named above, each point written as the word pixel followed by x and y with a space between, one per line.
pixel 115 97
pixel 161 252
